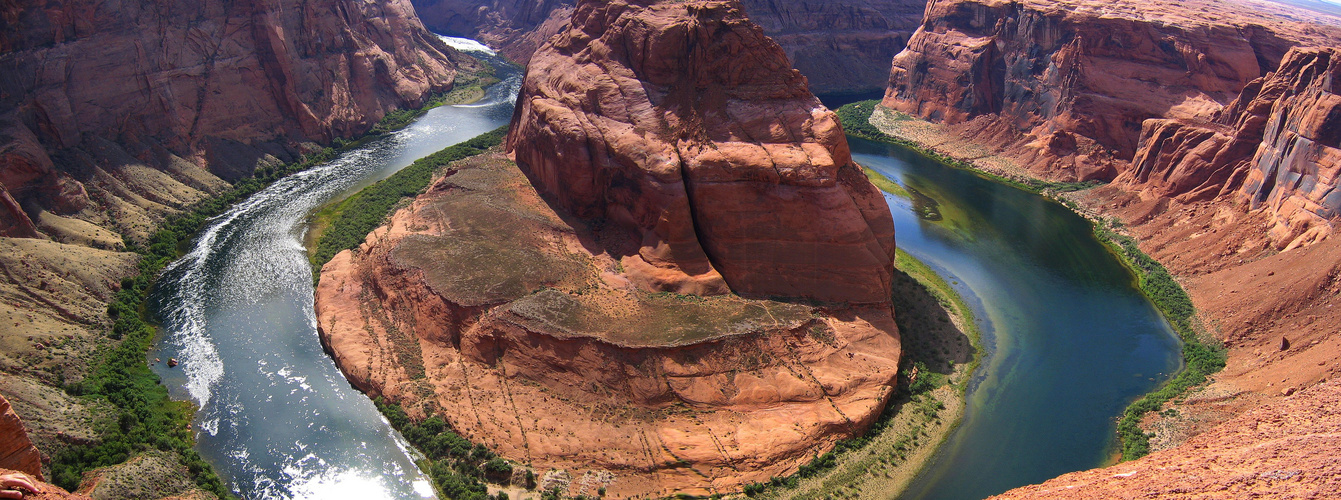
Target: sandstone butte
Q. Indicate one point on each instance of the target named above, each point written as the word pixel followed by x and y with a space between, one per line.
pixel 113 118
pixel 682 284
pixel 841 45
pixel 1218 124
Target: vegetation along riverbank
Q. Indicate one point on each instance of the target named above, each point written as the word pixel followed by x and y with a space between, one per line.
pixel 1202 356
pixel 943 344
pixel 144 417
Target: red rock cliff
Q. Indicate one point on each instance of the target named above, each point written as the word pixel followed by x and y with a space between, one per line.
pixel 16 451
pixel 841 45
pixel 684 124
pixel 1275 147
pixel 90 88
pixel 1066 86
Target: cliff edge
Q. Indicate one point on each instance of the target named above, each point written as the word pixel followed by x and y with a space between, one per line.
pixel 682 284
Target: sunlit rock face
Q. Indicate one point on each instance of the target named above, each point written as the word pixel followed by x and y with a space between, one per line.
pixel 91 94
pixel 1064 88
pixel 686 125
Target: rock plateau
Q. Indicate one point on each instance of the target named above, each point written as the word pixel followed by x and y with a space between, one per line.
pixel 682 284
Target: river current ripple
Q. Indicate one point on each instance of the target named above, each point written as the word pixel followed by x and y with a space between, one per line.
pixel 277 419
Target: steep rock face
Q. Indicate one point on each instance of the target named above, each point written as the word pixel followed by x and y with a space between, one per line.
pixel 841 45
pixel 480 303
pixel 1275 147
pixel 684 125
pixel 16 451
pixel 1066 86
pixel 1283 450
pixel 91 93
pixel 1296 173
pixel 515 27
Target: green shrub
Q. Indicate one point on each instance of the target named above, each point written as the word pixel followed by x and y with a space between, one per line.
pixel 367 209
pixel 458 469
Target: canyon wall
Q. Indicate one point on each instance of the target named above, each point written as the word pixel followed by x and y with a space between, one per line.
pixel 681 285
pixel 16 451
pixel 115 115
pixel 724 169
pixel 1276 147
pixel 841 46
pixel 128 111
pixel 1218 124
pixel 1065 87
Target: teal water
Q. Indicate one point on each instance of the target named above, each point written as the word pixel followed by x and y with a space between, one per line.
pixel 1069 340
pixel 277 419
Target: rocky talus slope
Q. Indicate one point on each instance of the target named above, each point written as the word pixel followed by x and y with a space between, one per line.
pixel 115 116
pixel 1064 87
pixel 841 45
pixel 681 284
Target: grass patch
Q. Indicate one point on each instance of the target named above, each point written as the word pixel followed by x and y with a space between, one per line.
pixel 459 469
pixel 855 119
pixel 144 416
pixel 1200 359
pixel 352 219
pixel 469 87
pixel 885 183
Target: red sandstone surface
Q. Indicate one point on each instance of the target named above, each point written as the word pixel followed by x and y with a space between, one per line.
pixel 115 115
pixel 629 301
pixel 1229 117
pixel 685 125
pixel 1064 87
pixel 16 451
pixel 49 491
pixel 1286 449
pixel 93 94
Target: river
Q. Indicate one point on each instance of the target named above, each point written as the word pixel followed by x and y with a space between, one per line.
pixel 1069 339
pixel 277 419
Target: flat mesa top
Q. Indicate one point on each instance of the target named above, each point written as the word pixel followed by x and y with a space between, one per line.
pixel 483 237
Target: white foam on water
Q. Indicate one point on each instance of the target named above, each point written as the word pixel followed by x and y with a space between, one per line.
pixel 466 45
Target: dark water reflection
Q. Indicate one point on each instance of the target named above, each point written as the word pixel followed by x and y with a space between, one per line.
pixel 1070 339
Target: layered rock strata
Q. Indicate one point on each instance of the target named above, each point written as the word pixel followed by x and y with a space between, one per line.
pixel 483 305
pixel 681 286
pixel 686 126
pixel 114 116
pixel 1065 87
pixel 1275 147
pixel 842 46
pixel 138 109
